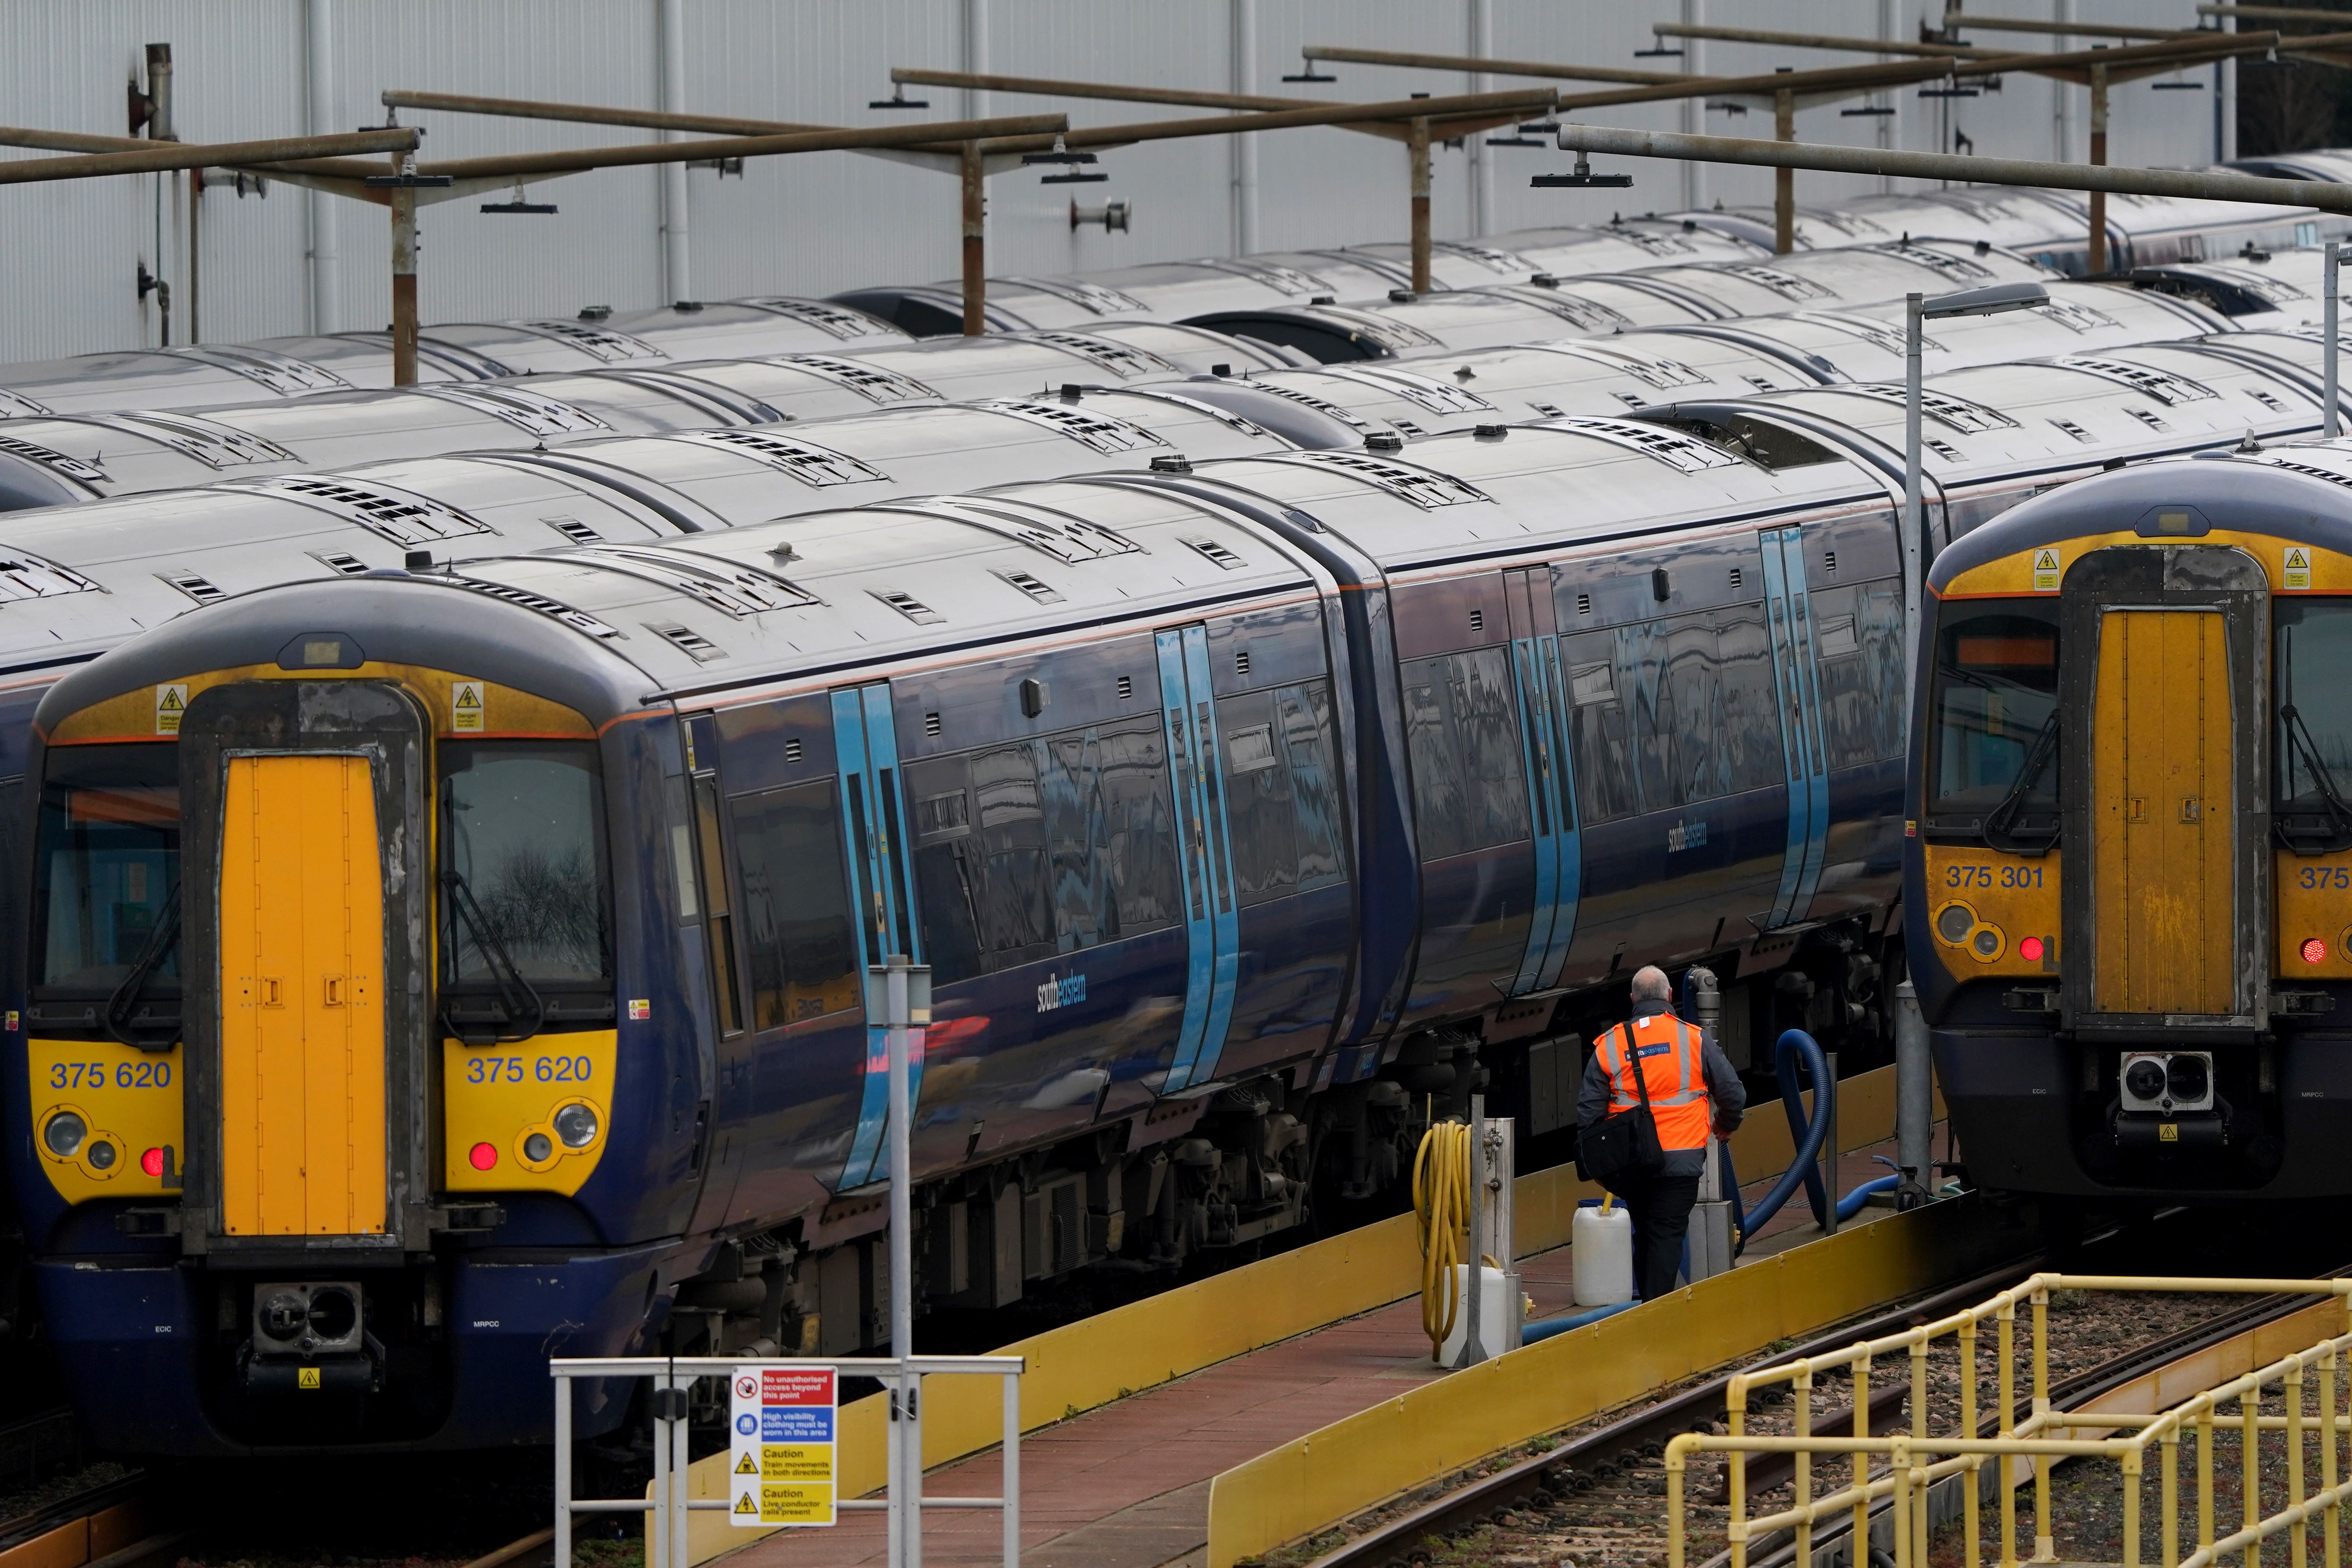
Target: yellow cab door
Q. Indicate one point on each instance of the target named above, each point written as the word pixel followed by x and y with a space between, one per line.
pixel 2162 814
pixel 303 1027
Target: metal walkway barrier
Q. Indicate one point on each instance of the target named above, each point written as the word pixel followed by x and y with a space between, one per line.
pixel 1891 1475
pixel 673 1379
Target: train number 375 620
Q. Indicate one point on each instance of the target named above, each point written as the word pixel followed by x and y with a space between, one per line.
pixel 2324 876
pixel 1992 876
pixel 512 1070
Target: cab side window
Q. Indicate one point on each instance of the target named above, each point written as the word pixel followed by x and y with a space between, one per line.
pixel 795 919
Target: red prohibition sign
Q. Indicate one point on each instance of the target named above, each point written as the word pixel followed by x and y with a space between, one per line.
pixel 747 1387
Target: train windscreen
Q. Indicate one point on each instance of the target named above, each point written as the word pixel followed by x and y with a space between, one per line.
pixel 2314 721
pixel 1995 707
pixel 107 874
pixel 524 881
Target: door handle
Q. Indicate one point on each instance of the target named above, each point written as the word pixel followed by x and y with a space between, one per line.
pixel 272 992
pixel 2192 810
pixel 336 991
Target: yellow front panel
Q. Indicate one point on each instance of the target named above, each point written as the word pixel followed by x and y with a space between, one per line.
pixel 130 1101
pixel 494 1097
pixel 303 1047
pixel 2161 817
pixel 1992 913
pixel 2315 899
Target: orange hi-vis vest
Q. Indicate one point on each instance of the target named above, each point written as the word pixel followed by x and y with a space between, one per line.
pixel 1669 1052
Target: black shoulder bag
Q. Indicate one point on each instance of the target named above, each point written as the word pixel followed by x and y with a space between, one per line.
pixel 1623 1150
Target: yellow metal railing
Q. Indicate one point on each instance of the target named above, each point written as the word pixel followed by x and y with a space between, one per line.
pixel 1899 1468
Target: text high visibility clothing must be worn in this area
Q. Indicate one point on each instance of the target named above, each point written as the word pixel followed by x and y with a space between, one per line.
pixel 1669 1051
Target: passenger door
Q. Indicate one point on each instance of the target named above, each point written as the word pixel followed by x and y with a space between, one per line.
pixel 873 829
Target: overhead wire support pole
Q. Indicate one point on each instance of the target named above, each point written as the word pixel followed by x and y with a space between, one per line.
pixel 1784 180
pixel 2331 413
pixel 1417 151
pixel 975 241
pixel 2098 259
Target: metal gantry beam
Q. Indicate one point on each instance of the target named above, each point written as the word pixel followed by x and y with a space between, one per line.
pixel 1480 64
pixel 1955 21
pixel 161 157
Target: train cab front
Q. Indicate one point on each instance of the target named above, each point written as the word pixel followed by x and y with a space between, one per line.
pixel 328 1137
pixel 2130 870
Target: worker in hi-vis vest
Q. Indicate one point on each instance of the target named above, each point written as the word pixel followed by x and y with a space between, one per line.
pixel 1686 1074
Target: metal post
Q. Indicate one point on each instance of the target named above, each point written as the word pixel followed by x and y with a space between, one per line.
pixel 1417 149
pixel 1915 560
pixel 1502 1167
pixel 677 274
pixel 403 285
pixel 1245 80
pixel 1474 1342
pixel 1011 1466
pixel 1784 181
pixel 2097 262
pixel 681 1474
pixel 2331 416
pixel 1914 1100
pixel 1830 1149
pixel 1710 1229
pixel 907 1398
pixel 195 253
pixel 1482 162
pixel 660 1532
pixel 326 293
pixel 975 242
pixel 563 1472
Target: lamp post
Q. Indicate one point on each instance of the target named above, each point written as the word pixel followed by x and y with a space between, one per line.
pixel 2331 417
pixel 1917 309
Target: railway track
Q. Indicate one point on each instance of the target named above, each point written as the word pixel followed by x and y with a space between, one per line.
pixel 1597 1500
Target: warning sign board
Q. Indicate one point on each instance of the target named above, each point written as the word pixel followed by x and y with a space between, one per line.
pixel 171 702
pixel 2045 569
pixel 781 1463
pixel 2296 570
pixel 465 707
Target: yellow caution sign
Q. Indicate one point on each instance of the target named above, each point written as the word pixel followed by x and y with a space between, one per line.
pixel 2045 569
pixel 745 1466
pixel 465 707
pixel 170 703
pixel 781 1424
pixel 306 1377
pixel 745 1504
pixel 2296 570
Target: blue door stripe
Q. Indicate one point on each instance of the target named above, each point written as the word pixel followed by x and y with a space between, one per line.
pixel 867 750
pixel 1225 914
pixel 1535 757
pixel 1817 825
pixel 1569 885
pixel 1200 940
pixel 1792 747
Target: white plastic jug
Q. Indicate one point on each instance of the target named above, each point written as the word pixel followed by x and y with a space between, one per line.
pixel 1498 1323
pixel 1601 1255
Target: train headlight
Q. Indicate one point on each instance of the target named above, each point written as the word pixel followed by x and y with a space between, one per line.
pixel 575 1124
pixel 2144 1080
pixel 63 1134
pixel 2188 1078
pixel 538 1148
pixel 101 1155
pixel 1954 921
pixel 1987 942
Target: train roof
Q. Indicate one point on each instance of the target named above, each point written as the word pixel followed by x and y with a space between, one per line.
pixel 1154 291
pixel 2299 489
pixel 2063 414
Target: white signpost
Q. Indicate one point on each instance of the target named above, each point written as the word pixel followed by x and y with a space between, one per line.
pixel 781 1431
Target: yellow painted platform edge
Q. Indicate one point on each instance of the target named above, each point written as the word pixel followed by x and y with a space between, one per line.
pixel 1340 1470
pixel 1091 1362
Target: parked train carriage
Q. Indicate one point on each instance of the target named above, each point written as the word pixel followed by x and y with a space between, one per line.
pixel 2129 840
pixel 206 374
pixel 55 460
pixel 2280 288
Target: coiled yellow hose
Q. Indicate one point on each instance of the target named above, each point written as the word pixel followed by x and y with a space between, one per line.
pixel 1440 1202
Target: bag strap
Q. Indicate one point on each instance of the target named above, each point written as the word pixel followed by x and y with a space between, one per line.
pixel 1629 1052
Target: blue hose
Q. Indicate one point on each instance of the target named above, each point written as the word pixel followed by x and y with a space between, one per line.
pixel 1544 1328
pixel 1793 1046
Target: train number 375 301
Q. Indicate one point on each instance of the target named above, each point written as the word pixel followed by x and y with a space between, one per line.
pixel 2324 876
pixel 1992 876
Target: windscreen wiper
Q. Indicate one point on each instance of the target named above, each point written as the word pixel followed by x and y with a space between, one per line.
pixel 2000 827
pixel 121 1013
pixel 2337 835
pixel 518 998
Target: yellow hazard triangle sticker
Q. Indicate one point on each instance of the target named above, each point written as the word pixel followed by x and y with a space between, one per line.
pixel 745 1466
pixel 2296 568
pixel 745 1505
pixel 2045 570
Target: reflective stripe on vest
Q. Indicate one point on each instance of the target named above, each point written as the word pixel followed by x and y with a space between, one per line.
pixel 1670 1053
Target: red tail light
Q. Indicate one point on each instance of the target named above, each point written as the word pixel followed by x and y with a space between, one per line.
pixel 483 1156
pixel 152 1161
pixel 2314 950
pixel 2030 950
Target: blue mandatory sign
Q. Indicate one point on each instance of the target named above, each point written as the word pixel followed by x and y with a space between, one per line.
pixel 747 1423
pixel 797 1423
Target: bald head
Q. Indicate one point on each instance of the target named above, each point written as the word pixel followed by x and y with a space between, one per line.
pixel 1650 984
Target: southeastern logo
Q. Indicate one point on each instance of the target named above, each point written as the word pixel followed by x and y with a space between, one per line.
pixel 1686 835
pixel 1061 993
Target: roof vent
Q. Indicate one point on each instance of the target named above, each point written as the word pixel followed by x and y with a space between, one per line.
pixel 1544 280
pixel 688 641
pixel 1172 463
pixel 573 529
pixel 194 585
pixel 596 312
pixel 341 563
pixel 1035 587
pixel 1385 441
pixel 1324 300
pixel 1217 553
pixel 909 605
pixel 1491 432
pixel 1399 296
pixel 686 306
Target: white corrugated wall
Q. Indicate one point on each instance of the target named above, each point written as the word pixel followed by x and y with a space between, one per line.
pixel 814 223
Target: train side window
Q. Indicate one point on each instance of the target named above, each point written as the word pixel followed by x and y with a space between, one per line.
pixel 1599 741
pixel 947 867
pixel 1140 813
pixel 1748 722
pixel 1461 734
pixel 2315 649
pixel 1258 805
pixel 1858 655
pixel 1306 712
pixel 1996 689
pixel 1014 906
pixel 796 929
pixel 1077 840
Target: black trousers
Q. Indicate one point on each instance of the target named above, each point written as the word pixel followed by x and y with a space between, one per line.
pixel 1661 1208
